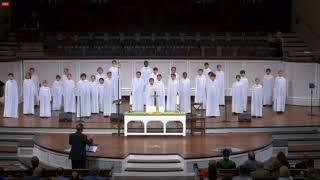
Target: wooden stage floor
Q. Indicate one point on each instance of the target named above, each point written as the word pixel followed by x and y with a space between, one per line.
pixel 189 147
pixel 294 116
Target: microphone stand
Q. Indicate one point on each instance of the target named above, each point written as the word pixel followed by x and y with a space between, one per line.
pixel 118 103
pixel 311 114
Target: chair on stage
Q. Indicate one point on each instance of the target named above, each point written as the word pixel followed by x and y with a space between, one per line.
pixel 198 119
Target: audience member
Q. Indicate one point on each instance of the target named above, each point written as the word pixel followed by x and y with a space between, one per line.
pixel 275 168
pixel 307 163
pixel 2 177
pixel 75 175
pixel 226 163
pixel 283 159
pixel 243 174
pixel 60 176
pixel 312 175
pixel 94 175
pixel 260 172
pixel 212 170
pixel 34 164
pixel 284 173
pixel 37 174
pixel 251 163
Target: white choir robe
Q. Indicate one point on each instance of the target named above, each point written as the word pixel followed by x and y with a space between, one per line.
pixel 161 95
pixel 83 103
pixel 108 106
pixel 154 76
pixel 138 94
pixel 206 71
pixel 99 76
pixel 268 81
pixel 11 100
pixel 69 97
pixel 36 82
pixel 279 94
pixel 146 73
pixel 29 94
pixel 45 102
pixel 200 94
pixel 185 95
pixel 237 97
pixel 116 83
pixel 64 78
pixel 257 100
pixel 57 93
pixel 173 92
pixel 94 97
pixel 101 96
pixel 212 98
pixel 220 82
pixel 149 95
pixel 245 88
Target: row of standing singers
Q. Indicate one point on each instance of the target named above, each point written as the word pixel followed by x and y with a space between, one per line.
pixel 97 95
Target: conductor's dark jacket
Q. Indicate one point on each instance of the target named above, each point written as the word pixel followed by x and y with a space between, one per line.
pixel 78 142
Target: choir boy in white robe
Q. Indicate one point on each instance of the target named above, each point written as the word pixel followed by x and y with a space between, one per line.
pixel 155 74
pixel 161 99
pixel 200 94
pixel 279 93
pixel 220 81
pixel 36 82
pixel 185 93
pixel 137 92
pixel 11 100
pixel 174 71
pixel 149 94
pixel 83 94
pixel 212 99
pixel 257 99
pixel 66 71
pixel 206 69
pixel 108 106
pixel 45 100
pixel 94 95
pixel 173 92
pixel 268 81
pixel 115 70
pixel 146 72
pixel 245 87
pixel 101 87
pixel 100 74
pixel 237 96
pixel 69 96
pixel 29 93
pixel 57 92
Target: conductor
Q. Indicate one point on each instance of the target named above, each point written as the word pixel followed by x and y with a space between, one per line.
pixel 78 142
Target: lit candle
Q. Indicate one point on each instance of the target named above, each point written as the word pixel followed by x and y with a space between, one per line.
pixel 131 100
pixel 178 99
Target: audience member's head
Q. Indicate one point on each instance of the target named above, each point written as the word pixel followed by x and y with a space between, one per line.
pixel 212 169
pixel 34 162
pixel 251 156
pixel 79 127
pixel 283 159
pixel 75 175
pixel 94 171
pixel 60 171
pixel 37 172
pixel 284 171
pixel 226 154
pixel 1 171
